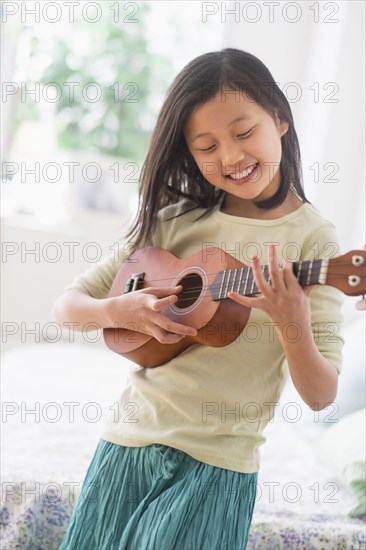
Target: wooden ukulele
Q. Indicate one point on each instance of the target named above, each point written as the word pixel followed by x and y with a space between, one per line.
pixel 203 302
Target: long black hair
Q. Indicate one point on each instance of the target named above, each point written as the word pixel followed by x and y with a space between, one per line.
pixel 170 172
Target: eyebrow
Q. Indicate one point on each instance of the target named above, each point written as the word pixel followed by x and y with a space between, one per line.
pixel 242 117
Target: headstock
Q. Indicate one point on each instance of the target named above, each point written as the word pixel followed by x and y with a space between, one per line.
pixel 348 273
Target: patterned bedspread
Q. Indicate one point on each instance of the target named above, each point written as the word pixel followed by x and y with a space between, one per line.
pixel 300 503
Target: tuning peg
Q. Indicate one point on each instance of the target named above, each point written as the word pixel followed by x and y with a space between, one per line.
pixel 361 304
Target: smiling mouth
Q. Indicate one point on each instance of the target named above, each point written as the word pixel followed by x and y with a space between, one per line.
pixel 246 178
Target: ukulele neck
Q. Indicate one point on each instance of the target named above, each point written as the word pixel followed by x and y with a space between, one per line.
pixel 242 281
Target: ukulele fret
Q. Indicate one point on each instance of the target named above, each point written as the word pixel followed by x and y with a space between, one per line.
pixel 298 275
pixel 253 282
pixel 240 279
pixel 255 289
pixel 323 271
pixel 227 282
pixel 246 281
pixel 315 272
pixel 235 275
pixel 222 285
pixel 309 272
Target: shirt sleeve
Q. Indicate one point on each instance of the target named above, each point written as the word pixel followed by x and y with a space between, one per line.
pixel 326 301
pixel 97 280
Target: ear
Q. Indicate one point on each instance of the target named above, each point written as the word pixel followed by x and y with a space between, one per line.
pixel 283 127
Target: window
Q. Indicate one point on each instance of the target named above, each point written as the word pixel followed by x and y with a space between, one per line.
pixel 81 99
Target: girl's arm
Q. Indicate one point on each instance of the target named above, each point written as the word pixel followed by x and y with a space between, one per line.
pixel 74 306
pixel 141 307
pixel 286 303
pixel 314 377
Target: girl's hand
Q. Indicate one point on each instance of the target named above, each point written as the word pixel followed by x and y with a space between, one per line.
pixel 284 301
pixel 143 308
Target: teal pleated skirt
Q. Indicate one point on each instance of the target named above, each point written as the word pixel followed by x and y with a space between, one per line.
pixel 159 498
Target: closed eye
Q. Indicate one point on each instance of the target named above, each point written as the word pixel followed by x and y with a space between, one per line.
pixel 239 135
pixel 246 133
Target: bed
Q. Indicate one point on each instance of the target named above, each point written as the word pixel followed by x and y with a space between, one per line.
pixel 301 502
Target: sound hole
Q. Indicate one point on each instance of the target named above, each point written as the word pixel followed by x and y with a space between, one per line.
pixel 192 286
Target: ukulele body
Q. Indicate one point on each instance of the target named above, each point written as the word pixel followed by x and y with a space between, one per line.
pixel 218 322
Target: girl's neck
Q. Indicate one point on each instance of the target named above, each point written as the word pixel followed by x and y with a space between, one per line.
pixel 247 209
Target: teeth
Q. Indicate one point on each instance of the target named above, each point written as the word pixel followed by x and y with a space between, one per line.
pixel 244 174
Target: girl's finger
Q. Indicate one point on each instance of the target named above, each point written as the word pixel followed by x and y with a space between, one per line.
pixel 162 292
pixel 245 300
pixel 288 274
pixel 164 337
pixel 308 289
pixel 159 304
pixel 259 278
pixel 274 270
pixel 175 328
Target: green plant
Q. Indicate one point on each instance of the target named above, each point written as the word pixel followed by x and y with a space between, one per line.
pixel 108 83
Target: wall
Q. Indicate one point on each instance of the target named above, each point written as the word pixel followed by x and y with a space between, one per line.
pixel 31 282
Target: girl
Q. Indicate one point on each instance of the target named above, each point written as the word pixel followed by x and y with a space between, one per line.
pixel 178 467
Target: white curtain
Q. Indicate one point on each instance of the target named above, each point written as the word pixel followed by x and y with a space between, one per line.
pixel 319 46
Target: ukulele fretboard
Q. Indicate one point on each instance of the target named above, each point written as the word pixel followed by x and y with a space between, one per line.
pixel 242 281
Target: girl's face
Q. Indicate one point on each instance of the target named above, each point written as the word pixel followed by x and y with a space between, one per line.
pixel 231 134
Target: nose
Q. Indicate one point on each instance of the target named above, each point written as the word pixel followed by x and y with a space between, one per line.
pixel 231 157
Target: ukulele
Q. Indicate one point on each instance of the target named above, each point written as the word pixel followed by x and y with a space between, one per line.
pixel 203 303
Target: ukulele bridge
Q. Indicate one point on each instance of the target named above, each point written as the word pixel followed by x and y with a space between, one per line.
pixel 134 282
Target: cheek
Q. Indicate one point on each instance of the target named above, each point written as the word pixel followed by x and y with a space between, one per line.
pixel 270 149
pixel 209 168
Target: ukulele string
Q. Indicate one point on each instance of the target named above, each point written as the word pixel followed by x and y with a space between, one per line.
pixel 186 294
pixel 329 272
